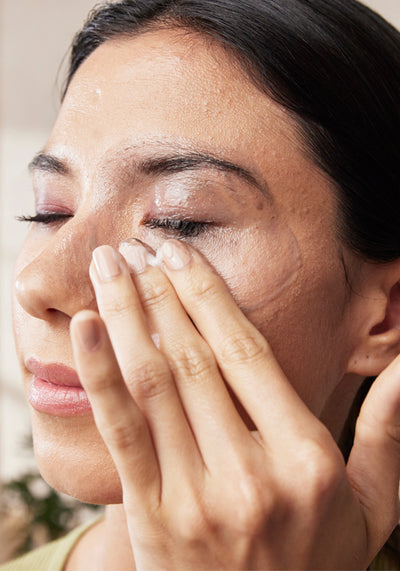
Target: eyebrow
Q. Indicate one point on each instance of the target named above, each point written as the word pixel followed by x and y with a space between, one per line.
pixel 160 166
pixel 196 161
pixel 49 163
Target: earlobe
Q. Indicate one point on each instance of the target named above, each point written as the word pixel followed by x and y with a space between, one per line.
pixel 380 344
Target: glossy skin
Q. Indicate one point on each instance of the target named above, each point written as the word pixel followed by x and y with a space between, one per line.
pixel 270 234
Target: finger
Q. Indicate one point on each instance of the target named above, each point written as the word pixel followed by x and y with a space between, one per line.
pixel 118 418
pixel 144 369
pixel 242 353
pixel 206 400
pixel 374 462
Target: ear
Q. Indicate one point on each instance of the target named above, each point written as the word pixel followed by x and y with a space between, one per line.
pixel 378 318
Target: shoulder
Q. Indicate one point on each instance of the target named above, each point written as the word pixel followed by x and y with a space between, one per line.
pixel 50 557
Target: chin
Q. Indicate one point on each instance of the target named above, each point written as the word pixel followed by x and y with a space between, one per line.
pixel 74 460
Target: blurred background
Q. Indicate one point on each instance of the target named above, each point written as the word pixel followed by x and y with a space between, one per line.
pixel 34 38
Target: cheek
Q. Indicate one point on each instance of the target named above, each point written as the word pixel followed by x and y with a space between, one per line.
pixel 297 300
pixel 261 266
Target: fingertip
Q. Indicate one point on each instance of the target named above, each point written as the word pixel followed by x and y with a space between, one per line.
pixel 175 255
pixel 86 330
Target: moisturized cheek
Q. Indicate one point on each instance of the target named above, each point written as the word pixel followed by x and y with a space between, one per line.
pixel 260 265
pixel 257 267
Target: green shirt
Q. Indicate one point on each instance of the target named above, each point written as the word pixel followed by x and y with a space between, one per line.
pixel 49 557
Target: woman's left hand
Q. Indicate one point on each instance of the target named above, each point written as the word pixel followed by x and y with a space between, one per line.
pixel 201 490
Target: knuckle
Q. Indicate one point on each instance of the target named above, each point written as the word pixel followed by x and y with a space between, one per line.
pixel 252 496
pixel 252 515
pixel 240 347
pixel 119 306
pixel 102 383
pixel 154 293
pixel 149 380
pixel 203 287
pixel 322 470
pixel 121 435
pixel 192 523
pixel 190 362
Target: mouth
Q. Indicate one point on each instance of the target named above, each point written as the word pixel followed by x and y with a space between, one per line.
pixel 55 389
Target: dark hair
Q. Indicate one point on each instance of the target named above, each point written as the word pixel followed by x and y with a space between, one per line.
pixel 334 64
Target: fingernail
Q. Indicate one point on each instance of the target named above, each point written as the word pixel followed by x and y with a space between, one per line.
pixel 107 263
pixel 88 334
pixel 175 255
pixel 137 254
pixel 136 242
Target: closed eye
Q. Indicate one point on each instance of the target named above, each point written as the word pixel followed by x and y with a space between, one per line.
pixel 182 228
pixel 45 217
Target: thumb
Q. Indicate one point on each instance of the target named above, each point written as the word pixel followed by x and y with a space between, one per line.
pixel 374 463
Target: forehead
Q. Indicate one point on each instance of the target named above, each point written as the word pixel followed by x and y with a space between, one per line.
pixel 175 88
pixel 175 84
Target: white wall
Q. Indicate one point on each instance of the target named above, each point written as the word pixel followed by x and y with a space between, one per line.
pixel 34 36
pixel 390 9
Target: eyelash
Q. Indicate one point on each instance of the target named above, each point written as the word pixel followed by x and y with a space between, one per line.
pixel 184 228
pixel 45 217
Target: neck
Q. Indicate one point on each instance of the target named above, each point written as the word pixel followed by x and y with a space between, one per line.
pixel 118 553
pixel 340 408
pixel 106 546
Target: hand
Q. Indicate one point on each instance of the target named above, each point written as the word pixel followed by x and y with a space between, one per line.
pixel 201 490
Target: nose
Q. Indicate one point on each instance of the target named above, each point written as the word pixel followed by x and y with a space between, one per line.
pixel 56 281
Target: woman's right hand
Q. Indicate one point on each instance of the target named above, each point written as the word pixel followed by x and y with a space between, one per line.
pixel 201 489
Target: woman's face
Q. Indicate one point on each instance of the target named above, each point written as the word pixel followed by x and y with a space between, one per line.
pixel 163 136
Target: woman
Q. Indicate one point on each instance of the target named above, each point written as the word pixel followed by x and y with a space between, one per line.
pixel 244 159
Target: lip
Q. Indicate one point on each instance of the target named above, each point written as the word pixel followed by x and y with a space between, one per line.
pixel 56 389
